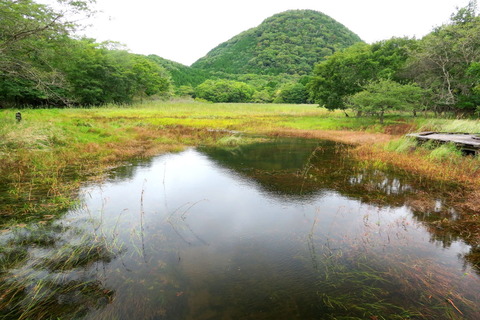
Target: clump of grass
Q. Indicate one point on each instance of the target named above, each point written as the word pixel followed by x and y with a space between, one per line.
pixel 36 235
pixel 230 141
pixel 444 125
pixel 237 140
pixel 361 284
pixel 402 145
pixel 72 256
pixel 28 297
pixel 11 257
pixel 447 151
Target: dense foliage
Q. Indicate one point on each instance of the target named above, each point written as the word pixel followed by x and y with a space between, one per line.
pixel 290 42
pixel 378 97
pixel 41 64
pixel 445 64
pixel 346 72
pixel 224 91
pixel 181 74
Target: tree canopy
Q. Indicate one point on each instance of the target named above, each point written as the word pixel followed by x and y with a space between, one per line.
pixel 446 60
pixel 290 42
pixel 298 56
pixel 347 71
pixel 224 91
pixel 40 63
pixel 379 97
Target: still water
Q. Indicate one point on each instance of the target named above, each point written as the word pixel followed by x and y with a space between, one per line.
pixel 285 229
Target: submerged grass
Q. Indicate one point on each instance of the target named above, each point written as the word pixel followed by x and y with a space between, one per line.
pixel 43 273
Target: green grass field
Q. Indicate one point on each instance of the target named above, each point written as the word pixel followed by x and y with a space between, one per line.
pixel 46 156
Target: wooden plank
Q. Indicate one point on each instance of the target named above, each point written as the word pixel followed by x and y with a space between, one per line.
pixel 466 141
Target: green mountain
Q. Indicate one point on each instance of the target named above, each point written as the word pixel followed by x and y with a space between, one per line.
pixel 291 42
pixel 182 75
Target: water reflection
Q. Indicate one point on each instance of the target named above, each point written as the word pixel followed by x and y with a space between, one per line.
pixel 48 271
pixel 288 229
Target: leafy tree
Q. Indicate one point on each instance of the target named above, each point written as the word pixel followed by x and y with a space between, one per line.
pixel 263 96
pixel 292 93
pixel 444 58
pixel 341 75
pixel 346 72
pixel 181 75
pixel 29 32
pixel 224 91
pixel 474 72
pixel 99 75
pixel 150 78
pixel 379 97
pixel 465 14
pixel 185 91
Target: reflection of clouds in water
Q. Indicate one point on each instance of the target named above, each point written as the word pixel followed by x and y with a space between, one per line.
pixel 190 226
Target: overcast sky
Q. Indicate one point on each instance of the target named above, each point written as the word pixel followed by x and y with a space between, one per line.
pixel 185 30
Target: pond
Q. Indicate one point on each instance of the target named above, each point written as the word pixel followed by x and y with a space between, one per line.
pixel 276 229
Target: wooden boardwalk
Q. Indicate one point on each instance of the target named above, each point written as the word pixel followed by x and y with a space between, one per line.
pixel 469 143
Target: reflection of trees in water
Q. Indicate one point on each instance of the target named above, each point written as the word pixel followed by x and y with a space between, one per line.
pixel 128 171
pixel 43 275
pixel 293 169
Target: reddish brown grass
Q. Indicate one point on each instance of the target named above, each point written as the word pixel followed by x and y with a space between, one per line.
pixel 349 137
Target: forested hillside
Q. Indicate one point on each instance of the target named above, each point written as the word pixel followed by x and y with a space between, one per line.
pixel 182 75
pixel 291 42
pixel 41 64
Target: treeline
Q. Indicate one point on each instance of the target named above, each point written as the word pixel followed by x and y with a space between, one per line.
pixel 41 64
pixel 439 73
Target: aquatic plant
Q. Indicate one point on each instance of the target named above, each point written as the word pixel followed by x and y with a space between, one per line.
pixel 72 256
pixel 29 297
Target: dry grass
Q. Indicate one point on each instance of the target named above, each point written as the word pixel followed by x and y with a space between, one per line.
pixel 464 171
pixel 349 137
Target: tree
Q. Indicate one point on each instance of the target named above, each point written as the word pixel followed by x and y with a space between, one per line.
pixel 379 97
pixel 465 14
pixel 224 91
pixel 341 75
pixel 443 58
pixel 346 72
pixel 100 73
pixel 292 93
pixel 28 34
pixel 474 72
pixel 150 77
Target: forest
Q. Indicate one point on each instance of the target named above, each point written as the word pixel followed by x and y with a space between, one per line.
pixel 298 56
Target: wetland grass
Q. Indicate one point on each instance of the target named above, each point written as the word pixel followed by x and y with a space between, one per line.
pixel 44 272
pixel 47 156
pixel 356 279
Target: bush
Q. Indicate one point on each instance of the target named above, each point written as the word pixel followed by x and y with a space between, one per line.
pixel 224 91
